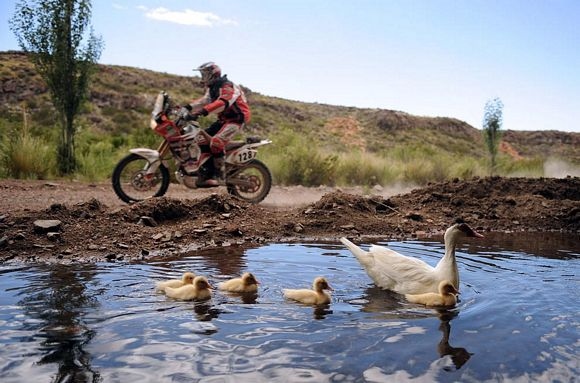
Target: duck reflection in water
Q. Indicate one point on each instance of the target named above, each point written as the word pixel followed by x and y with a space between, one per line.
pixel 246 298
pixel 459 355
pixel 321 311
pixel 204 311
pixel 390 305
pixel 385 303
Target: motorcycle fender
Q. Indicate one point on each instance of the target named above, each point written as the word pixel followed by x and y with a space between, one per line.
pixel 152 156
pixel 149 154
pixel 245 153
pixel 261 143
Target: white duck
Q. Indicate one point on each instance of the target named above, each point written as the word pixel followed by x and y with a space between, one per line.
pixel 247 283
pixel 199 290
pixel 186 279
pixel 445 298
pixel 406 275
pixel 316 296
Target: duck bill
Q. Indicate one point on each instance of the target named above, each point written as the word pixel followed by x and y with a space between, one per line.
pixel 475 234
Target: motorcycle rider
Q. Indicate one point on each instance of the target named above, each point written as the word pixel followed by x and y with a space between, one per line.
pixel 229 102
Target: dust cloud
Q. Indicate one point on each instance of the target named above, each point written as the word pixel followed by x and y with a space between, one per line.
pixel 557 168
pixel 293 196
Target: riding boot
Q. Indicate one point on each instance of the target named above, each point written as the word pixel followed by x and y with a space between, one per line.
pixel 219 164
pixel 205 178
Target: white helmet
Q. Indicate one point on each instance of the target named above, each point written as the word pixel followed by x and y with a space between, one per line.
pixel 210 73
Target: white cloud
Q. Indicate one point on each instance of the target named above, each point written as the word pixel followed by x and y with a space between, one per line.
pixel 188 17
pixel 119 6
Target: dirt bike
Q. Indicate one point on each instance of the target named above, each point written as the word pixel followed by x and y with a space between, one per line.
pixel 144 173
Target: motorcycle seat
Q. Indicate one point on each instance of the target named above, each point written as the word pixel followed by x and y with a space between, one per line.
pixel 253 140
pixel 234 145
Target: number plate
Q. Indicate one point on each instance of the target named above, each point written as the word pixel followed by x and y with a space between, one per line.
pixel 245 155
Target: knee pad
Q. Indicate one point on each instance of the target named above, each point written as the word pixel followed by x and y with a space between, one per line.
pixel 217 145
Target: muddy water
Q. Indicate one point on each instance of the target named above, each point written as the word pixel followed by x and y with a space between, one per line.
pixel 518 319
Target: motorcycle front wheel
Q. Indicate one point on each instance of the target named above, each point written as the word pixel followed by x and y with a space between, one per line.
pixel 132 182
pixel 252 183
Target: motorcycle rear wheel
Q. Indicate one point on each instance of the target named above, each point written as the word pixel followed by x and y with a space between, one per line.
pixel 258 176
pixel 131 183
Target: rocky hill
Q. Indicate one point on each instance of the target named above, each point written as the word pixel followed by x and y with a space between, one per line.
pixel 121 99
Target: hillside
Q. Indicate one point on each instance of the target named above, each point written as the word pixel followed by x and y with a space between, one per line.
pixel 121 99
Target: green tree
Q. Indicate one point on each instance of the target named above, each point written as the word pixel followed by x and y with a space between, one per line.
pixel 492 121
pixel 61 43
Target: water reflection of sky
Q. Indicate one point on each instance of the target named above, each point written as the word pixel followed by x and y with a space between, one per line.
pixel 516 320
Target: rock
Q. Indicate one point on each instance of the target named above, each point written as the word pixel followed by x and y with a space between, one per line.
pixel 298 228
pixel 122 246
pixel 3 241
pixel 53 236
pixel 414 216
pixel 147 221
pixel 237 233
pixel 47 225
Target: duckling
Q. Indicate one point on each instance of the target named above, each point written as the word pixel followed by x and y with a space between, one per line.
pixel 199 290
pixel 316 296
pixel 247 283
pixel 446 296
pixel 186 279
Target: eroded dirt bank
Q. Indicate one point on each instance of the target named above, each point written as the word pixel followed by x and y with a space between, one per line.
pixel 95 226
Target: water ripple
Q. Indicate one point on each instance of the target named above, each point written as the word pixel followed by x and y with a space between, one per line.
pixel 516 320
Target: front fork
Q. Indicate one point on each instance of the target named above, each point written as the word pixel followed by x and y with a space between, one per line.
pixel 153 157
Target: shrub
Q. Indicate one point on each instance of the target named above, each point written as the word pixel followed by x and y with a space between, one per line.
pixel 25 156
pixel 365 169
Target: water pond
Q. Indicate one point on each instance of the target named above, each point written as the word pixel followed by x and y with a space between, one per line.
pixel 518 319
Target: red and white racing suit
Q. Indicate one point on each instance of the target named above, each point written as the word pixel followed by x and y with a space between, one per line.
pixel 229 102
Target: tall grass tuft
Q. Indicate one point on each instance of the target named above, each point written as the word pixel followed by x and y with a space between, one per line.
pixel 25 156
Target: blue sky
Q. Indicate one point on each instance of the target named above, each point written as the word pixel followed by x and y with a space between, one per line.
pixel 424 57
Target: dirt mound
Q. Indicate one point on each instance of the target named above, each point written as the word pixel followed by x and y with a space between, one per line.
pixel 501 204
pixel 170 209
pixel 91 231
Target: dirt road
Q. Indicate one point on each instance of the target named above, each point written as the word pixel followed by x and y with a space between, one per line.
pixel 96 226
